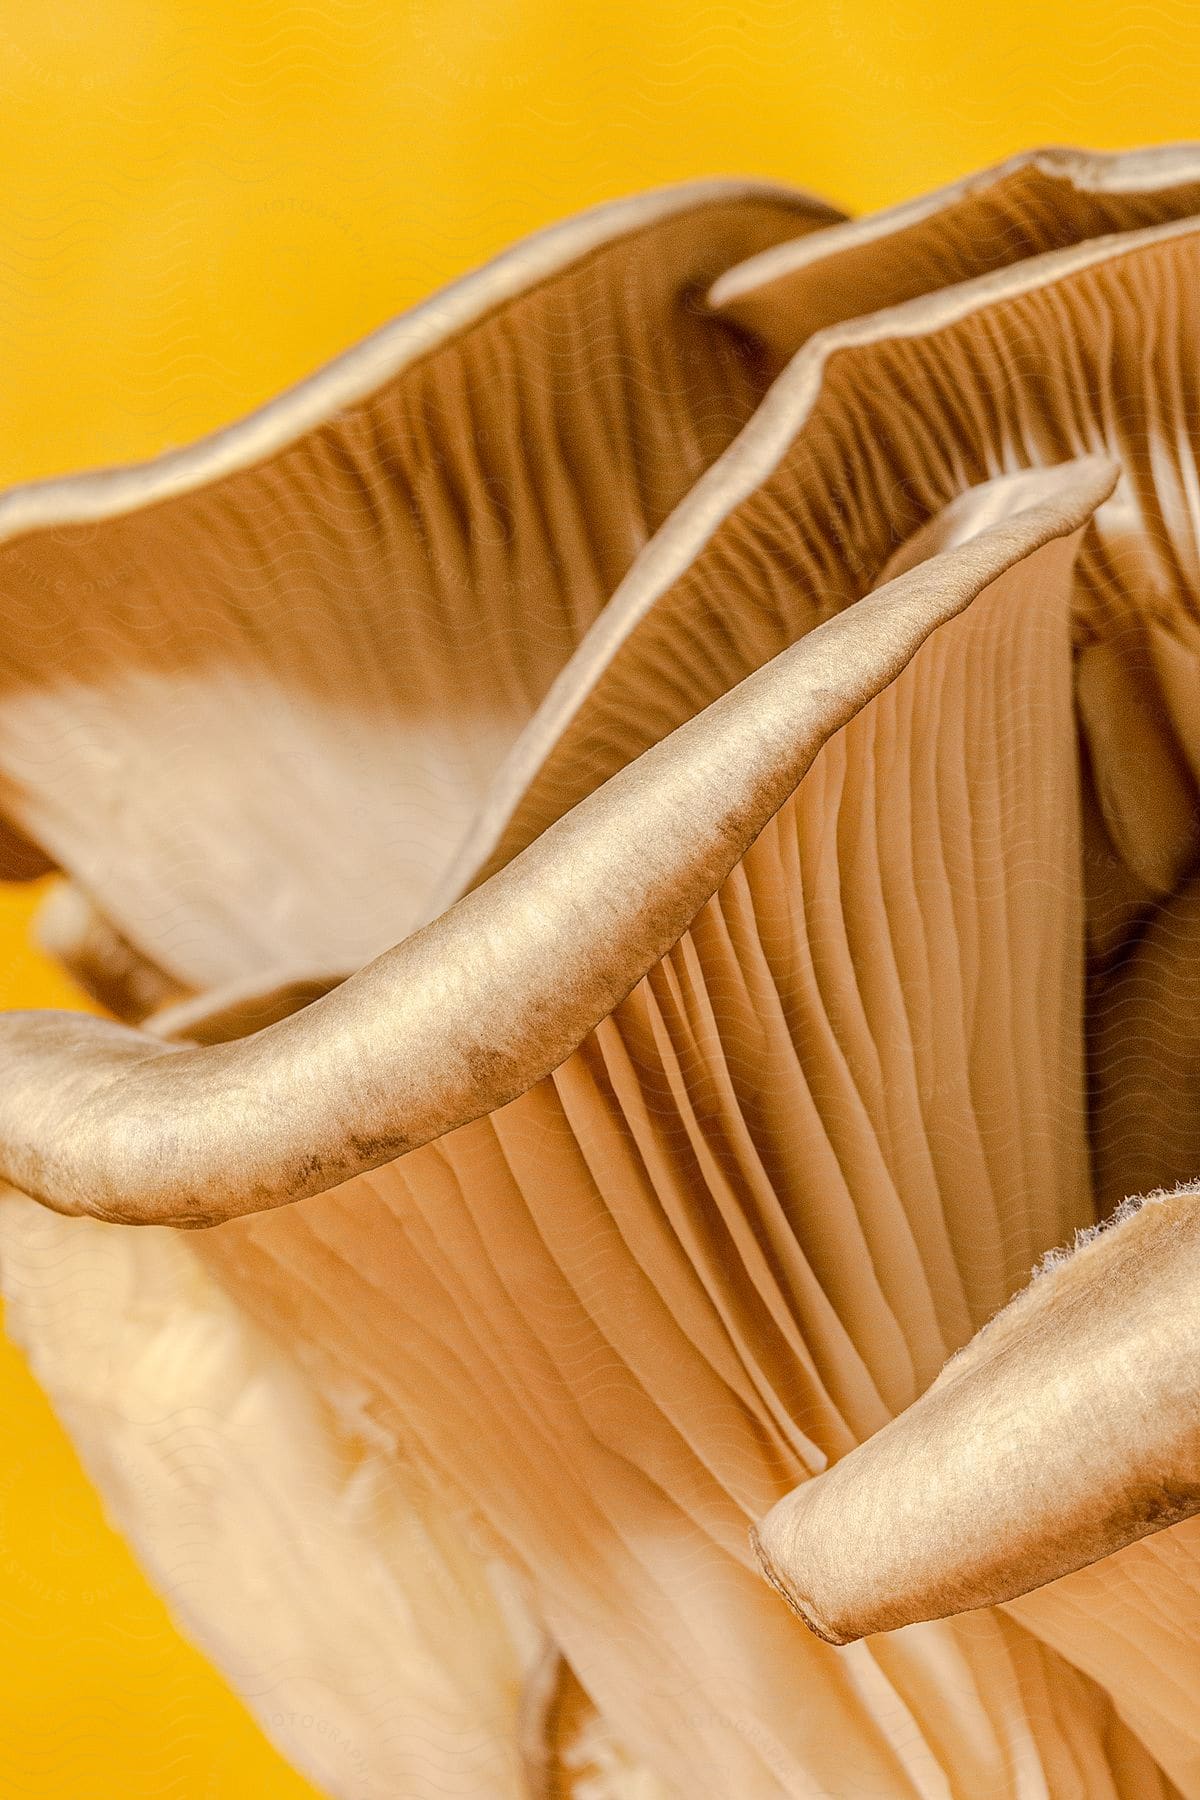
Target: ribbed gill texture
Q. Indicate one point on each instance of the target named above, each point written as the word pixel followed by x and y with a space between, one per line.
pixel 1093 360
pixel 888 431
pixel 253 721
pixel 744 1225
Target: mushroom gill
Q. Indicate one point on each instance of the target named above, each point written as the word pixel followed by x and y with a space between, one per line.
pixel 251 692
pixel 737 1074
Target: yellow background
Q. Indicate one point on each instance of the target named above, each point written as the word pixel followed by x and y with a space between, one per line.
pixel 204 199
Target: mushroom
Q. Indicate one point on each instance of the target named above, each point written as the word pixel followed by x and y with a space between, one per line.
pixel 777 974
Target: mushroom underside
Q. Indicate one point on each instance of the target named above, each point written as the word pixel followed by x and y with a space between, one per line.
pixel 937 1018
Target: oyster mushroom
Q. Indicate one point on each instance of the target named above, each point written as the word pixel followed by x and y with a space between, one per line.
pixel 784 925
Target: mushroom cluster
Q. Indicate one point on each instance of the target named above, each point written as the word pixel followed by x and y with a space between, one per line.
pixel 639 835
